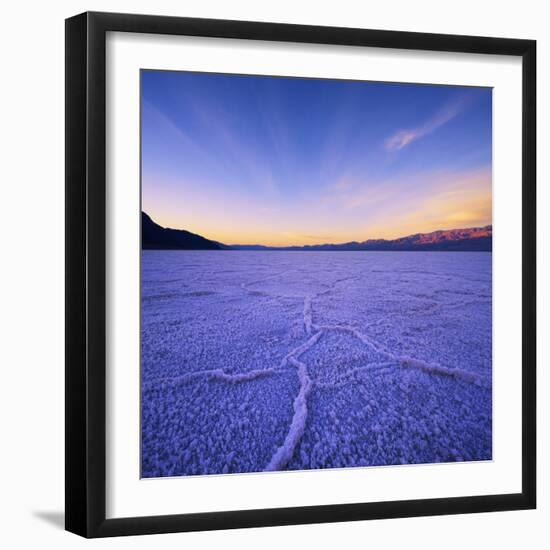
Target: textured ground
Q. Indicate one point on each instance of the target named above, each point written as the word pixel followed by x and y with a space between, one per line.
pixel 257 361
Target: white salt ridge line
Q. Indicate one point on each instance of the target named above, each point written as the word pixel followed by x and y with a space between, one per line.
pixel 430 368
pixel 284 453
pixel 219 374
pixel 241 377
pixel 353 332
pixel 301 349
pixel 215 374
pixel 459 374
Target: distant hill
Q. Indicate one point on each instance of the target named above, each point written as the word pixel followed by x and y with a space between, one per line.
pixel 155 237
pixel 473 239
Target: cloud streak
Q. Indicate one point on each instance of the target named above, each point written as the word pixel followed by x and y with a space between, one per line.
pixel 404 137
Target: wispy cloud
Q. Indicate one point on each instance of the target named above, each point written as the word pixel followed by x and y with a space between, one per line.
pixel 404 137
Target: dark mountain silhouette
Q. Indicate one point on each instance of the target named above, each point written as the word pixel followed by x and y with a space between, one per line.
pixel 473 239
pixel 153 236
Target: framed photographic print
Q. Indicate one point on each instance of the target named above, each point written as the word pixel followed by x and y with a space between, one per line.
pixel 300 274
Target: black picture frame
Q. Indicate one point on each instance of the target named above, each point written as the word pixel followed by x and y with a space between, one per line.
pixel 86 274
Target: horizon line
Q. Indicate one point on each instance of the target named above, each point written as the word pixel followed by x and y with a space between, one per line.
pixel 486 226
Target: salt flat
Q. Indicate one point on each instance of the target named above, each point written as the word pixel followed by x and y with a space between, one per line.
pixel 270 360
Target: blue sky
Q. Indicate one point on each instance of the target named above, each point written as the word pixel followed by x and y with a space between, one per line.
pixel 279 161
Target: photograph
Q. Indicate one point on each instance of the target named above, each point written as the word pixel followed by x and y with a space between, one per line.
pixel 316 274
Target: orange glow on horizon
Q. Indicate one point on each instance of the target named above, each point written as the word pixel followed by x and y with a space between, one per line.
pixel 353 212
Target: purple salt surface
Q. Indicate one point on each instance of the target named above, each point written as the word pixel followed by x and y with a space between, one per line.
pixel 255 361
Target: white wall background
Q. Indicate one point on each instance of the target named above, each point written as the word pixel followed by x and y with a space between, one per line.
pixel 32 271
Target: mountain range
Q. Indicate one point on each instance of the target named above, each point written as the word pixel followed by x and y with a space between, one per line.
pixel 473 239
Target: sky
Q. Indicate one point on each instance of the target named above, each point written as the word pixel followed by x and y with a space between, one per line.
pixel 293 161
